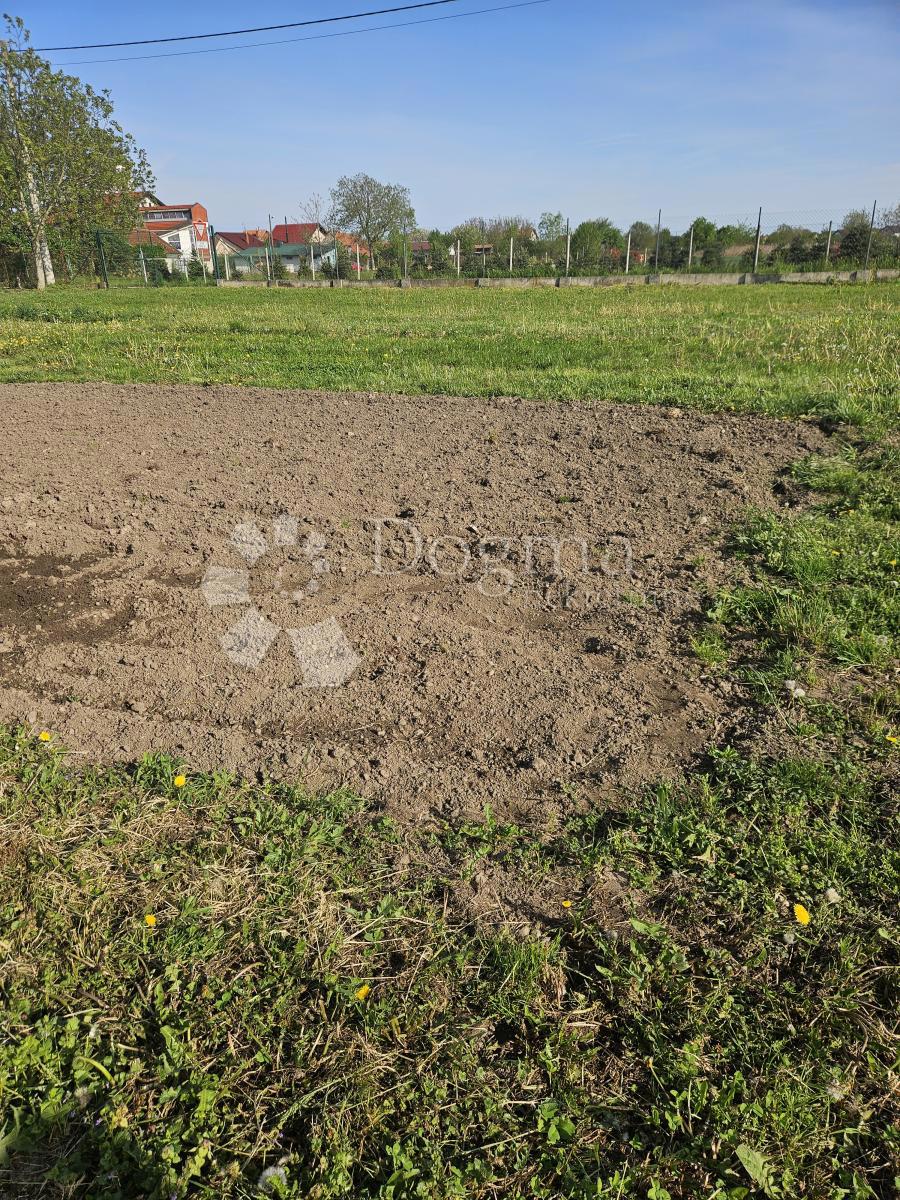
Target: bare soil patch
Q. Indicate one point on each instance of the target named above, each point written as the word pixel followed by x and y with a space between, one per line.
pixel 116 501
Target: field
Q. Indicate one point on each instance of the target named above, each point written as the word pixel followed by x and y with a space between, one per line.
pixel 583 879
pixel 789 350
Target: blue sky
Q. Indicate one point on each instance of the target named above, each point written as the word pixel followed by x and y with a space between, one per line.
pixel 590 107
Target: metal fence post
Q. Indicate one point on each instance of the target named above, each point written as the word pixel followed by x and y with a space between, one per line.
pixel 869 243
pixel 510 255
pixel 102 257
pixel 628 252
pixel 758 235
pixel 828 246
pixel 691 249
pixel 568 248
pixel 211 234
pixel 656 257
pixel 458 260
pixel 143 263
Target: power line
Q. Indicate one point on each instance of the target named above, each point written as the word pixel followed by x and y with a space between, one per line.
pixel 193 37
pixel 477 12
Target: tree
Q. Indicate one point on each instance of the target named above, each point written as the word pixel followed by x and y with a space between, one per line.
pixel 704 231
pixel 592 238
pixel 66 167
pixel 643 236
pixel 373 211
pixel 855 234
pixel 551 226
pixel 315 210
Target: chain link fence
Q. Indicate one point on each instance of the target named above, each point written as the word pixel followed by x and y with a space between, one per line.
pixel 758 241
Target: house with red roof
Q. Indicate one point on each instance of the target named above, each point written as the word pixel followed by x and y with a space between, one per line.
pixel 292 232
pixel 183 226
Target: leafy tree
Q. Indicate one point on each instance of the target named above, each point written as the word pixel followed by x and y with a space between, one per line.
pixel 592 238
pixel 704 231
pixel 66 167
pixel 855 234
pixel 551 226
pixel 643 236
pixel 372 210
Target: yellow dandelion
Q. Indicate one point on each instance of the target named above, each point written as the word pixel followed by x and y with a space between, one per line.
pixel 889 737
pixel 835 553
pixel 150 920
pixel 180 780
pixel 802 914
pixel 567 903
pixel 45 735
pixel 362 992
pixel 892 563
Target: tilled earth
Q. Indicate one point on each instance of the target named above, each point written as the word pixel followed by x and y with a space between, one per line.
pixel 447 603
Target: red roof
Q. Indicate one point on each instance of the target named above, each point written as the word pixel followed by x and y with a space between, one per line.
pixel 146 237
pixel 295 231
pixel 241 241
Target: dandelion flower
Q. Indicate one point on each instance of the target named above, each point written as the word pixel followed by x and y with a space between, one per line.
pixel 802 914
pixel 889 737
pixel 44 736
pixel 362 992
pixel 180 780
pixel 567 903
pixel 150 920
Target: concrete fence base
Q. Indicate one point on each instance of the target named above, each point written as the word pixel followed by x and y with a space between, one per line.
pixel 704 280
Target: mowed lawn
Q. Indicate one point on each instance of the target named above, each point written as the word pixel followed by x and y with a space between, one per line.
pixel 787 350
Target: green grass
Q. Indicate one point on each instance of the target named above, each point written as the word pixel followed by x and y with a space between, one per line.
pixel 303 1002
pixel 317 1001
pixel 785 350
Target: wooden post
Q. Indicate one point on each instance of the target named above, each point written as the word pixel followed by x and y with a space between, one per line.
pixel 510 255
pixel 656 257
pixel 758 236
pixel 358 268
pixel 226 257
pixel 143 264
pixel 828 246
pixel 628 252
pixel 458 262
pixel 568 247
pixel 691 248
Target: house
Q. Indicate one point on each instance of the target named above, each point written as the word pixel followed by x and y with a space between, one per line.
pixel 294 256
pixel 228 244
pixel 358 251
pixel 152 243
pixel 184 226
pixel 299 231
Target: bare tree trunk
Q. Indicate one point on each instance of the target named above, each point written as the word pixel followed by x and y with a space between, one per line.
pixel 43 264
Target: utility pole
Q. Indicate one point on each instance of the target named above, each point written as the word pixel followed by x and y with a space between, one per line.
pixel 828 246
pixel 691 248
pixel 568 247
pixel 869 243
pixel 658 223
pixel 628 252
pixel 758 236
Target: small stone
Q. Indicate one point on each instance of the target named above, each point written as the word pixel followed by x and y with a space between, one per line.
pixel 137 706
pixel 794 690
pixel 789 938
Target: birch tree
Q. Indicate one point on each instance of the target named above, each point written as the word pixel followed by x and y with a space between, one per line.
pixel 66 167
